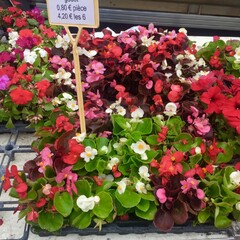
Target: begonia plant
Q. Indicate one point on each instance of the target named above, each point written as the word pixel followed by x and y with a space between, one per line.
pixel 162 140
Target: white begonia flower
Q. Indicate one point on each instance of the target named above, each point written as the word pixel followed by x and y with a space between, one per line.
pixel 121 187
pixel 235 178
pixel 29 56
pixel 140 147
pixel 183 30
pixel 178 69
pixel 104 150
pixel 72 104
pixel 62 75
pixel 56 101
pixel 198 150
pixel 140 187
pixel 147 41
pixel 86 204
pixel 143 172
pixel 69 83
pixel 109 110
pixel 201 62
pixel 43 53
pixel 138 113
pixel 80 137
pixel 237 206
pixel 120 143
pixel 164 64
pixel 89 154
pixel 13 37
pixel 170 109
pixel 108 177
pixel 62 42
pixel 113 161
pixel 168 75
pixel 90 54
pixel 121 110
pixel 237 55
pixel 66 97
pixel 180 57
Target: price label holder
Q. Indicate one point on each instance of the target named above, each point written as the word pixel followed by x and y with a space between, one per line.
pixel 78 14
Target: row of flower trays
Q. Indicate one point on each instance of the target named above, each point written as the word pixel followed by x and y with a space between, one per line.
pixel 163 125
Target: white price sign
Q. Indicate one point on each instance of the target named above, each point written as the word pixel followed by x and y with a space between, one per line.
pixel 73 12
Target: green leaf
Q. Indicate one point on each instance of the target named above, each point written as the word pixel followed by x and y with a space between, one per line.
pixel 183 142
pixel 226 176
pixel 227 155
pixel 229 193
pixel 204 215
pixel 89 142
pixel 32 195
pixel 39 183
pixel 222 221
pixel 143 205
pixel 49 173
pixel 9 124
pixel 195 159
pixel 80 220
pixel 105 206
pixel 80 164
pixel 119 124
pixel 50 221
pixel 144 127
pixel 49 106
pixel 152 140
pixel 32 22
pixel 101 142
pixel 13 193
pixel 63 203
pixel 83 188
pixel 101 166
pixel 91 165
pixel 128 199
pixel 149 196
pixel 175 125
pixel 213 190
pixel 37 62
pixel 149 214
pixel 151 155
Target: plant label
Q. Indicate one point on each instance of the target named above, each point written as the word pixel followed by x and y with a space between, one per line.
pixel 73 12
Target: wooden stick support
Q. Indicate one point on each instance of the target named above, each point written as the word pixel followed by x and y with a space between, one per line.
pixel 77 68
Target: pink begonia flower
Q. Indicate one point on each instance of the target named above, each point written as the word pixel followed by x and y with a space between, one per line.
pixel 105 134
pixel 192 182
pixel 161 195
pixel 95 97
pixel 98 67
pixel 195 111
pixel 125 58
pixel 46 160
pixel 93 77
pixel 71 178
pixel 47 189
pixel 93 113
pixel 176 88
pixel 113 84
pixel 32 216
pixel 127 39
pixel 202 125
pixel 149 84
pixel 200 194
pixel 185 186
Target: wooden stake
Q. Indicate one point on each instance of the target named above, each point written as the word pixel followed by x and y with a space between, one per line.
pixel 77 68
